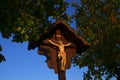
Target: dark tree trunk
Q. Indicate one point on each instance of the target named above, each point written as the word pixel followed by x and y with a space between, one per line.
pixel 118 73
pixel 118 78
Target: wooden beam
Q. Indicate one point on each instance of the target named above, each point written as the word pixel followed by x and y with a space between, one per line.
pixel 61 74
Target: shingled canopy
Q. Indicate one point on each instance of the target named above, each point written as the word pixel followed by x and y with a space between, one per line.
pixel 60 31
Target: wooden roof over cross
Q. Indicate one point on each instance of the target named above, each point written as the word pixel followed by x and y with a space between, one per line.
pixel 59 30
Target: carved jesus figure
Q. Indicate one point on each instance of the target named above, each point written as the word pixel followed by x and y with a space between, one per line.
pixel 61 53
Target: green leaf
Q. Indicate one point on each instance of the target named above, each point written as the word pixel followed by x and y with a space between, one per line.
pixel 2 58
pixel 0 48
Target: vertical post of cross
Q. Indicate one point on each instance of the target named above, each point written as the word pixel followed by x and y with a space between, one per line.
pixel 61 74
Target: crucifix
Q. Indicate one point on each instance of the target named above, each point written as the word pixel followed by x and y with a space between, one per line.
pixel 60 44
pixel 61 53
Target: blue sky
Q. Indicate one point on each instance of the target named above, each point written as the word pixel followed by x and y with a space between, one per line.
pixel 22 64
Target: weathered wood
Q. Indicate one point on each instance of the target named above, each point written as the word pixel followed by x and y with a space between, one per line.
pixel 60 31
pixel 61 74
pixel 52 50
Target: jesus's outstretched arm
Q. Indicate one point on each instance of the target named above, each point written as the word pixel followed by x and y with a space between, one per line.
pixel 53 43
pixel 67 44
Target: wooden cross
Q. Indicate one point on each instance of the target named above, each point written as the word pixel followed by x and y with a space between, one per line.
pixel 61 53
pixel 60 44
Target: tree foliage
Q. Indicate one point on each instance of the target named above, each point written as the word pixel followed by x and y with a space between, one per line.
pixel 25 20
pixel 1 56
pixel 98 21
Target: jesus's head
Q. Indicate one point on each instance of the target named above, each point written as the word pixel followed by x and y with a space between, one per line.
pixel 60 42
